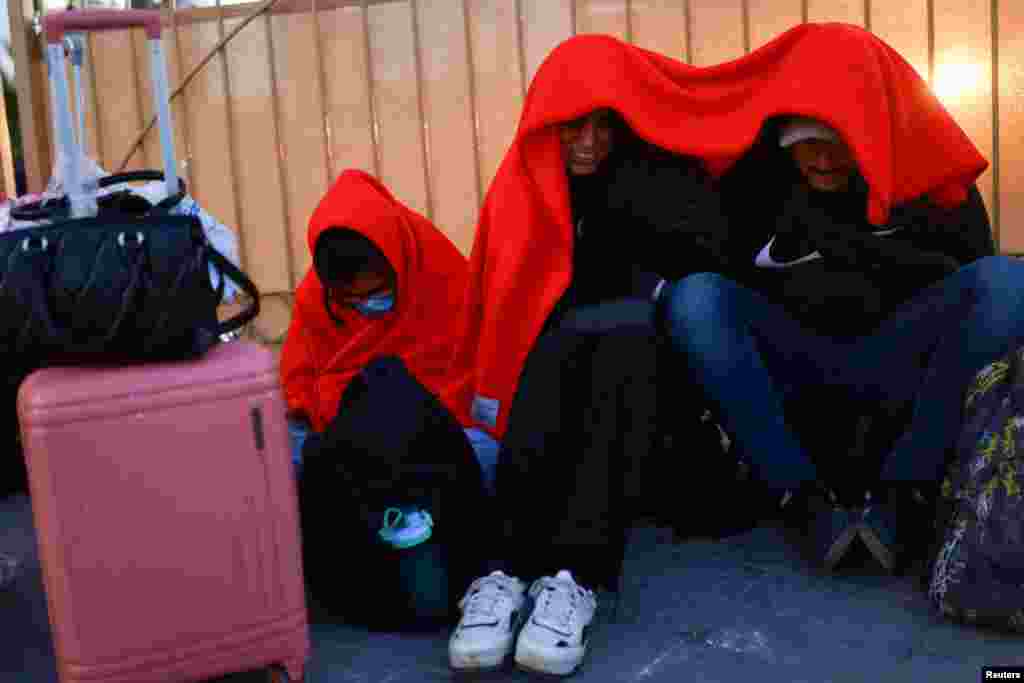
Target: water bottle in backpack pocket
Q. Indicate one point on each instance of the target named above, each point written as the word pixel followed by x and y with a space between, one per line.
pixel 422 568
pixel 373 486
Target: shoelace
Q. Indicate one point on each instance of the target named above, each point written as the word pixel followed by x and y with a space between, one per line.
pixel 558 603
pixel 484 599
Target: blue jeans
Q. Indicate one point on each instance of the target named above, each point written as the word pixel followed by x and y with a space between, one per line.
pixel 750 355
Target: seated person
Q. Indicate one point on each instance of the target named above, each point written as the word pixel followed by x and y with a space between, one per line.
pixel 526 254
pixel 893 315
pixel 572 298
pixel 384 282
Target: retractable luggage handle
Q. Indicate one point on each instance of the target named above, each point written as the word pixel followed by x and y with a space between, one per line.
pixel 55 25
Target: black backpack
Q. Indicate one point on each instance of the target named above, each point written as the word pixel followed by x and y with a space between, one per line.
pixel 392 442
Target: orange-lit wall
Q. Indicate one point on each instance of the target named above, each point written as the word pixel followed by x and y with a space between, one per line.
pixel 427 93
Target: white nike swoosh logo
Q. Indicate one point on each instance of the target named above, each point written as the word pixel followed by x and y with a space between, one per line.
pixel 764 258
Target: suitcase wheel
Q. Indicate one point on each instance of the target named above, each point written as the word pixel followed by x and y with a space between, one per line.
pixel 278 674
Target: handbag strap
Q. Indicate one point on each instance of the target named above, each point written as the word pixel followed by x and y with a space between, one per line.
pixel 55 208
pixel 225 268
pixel 239 277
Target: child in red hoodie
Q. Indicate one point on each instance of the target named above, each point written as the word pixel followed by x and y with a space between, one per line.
pixel 384 282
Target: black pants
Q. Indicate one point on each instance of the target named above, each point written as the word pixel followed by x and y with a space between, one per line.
pixel 582 436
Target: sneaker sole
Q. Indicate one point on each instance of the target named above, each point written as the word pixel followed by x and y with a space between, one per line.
pixel 474 664
pixel 496 673
pixel 536 662
pixel 878 549
pixel 525 668
pixel 480 661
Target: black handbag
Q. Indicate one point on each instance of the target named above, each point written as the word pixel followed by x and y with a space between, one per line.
pixel 117 287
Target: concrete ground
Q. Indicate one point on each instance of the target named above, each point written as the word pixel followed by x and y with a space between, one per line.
pixel 744 609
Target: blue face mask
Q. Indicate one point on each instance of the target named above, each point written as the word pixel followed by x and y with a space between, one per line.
pixel 374 306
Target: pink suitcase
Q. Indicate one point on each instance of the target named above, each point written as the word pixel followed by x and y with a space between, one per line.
pixel 166 513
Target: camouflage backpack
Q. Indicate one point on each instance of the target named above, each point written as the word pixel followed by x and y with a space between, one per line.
pixel 978 574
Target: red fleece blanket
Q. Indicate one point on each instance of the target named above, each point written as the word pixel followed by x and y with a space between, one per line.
pixel 905 142
pixel 320 357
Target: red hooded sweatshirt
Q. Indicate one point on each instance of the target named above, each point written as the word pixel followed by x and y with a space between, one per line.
pixel 905 142
pixel 320 357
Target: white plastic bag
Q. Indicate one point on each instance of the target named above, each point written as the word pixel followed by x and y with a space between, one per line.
pixel 89 172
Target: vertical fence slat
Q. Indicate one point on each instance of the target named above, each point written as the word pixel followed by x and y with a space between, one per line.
pixel 717 31
pixel 520 52
pixel 660 25
pixel 273 65
pixel 848 11
pixel 321 82
pixel 1011 127
pixel 371 86
pixel 495 48
pixel 770 18
pixel 418 59
pixel 449 118
pixel 347 91
pixel 33 98
pixel 474 114
pixel 610 17
pixel 546 23
pixel 233 157
pixel 963 74
pixel 301 126
pixel 149 154
pixel 205 109
pixel 904 26
pixel 396 102
pixel 118 111
pixel 255 168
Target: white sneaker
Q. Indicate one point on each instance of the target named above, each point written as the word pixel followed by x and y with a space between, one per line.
pixel 492 609
pixel 554 639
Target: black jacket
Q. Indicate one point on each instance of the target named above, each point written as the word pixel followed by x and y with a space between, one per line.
pixel 646 215
pixel 841 276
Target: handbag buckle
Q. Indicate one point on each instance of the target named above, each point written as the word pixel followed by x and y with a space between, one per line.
pixel 34 243
pixel 139 239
